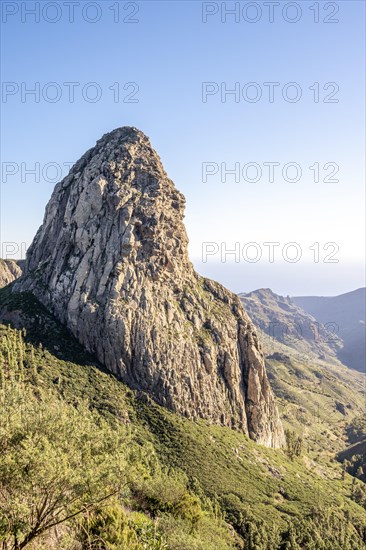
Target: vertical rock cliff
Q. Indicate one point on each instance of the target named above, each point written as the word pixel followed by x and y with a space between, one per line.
pixel 110 261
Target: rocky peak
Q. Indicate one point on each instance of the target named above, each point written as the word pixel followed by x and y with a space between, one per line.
pixel 121 184
pixel 110 261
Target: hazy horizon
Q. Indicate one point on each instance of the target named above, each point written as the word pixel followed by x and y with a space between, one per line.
pixel 285 279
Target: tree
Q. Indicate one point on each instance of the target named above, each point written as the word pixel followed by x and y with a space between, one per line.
pixel 56 461
pixel 294 444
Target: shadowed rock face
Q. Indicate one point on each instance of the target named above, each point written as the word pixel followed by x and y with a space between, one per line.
pixel 111 262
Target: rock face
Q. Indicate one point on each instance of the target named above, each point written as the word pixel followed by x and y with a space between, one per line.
pixel 281 319
pixel 9 271
pixel 110 261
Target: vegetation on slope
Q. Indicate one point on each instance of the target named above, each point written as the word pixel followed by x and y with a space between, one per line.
pixel 164 481
pixel 317 399
pixel 354 456
pixel 317 395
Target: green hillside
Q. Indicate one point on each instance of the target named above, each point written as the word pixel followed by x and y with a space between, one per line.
pixel 153 479
pixel 354 456
pixel 317 395
pixel 318 399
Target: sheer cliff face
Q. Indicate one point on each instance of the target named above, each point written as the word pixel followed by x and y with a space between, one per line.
pixel 111 262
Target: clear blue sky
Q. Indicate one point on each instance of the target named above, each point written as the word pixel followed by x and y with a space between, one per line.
pixel 168 53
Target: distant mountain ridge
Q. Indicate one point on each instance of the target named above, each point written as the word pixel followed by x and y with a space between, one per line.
pixel 347 312
pixel 280 319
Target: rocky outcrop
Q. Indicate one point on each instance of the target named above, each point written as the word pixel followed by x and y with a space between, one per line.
pixel 110 261
pixel 9 271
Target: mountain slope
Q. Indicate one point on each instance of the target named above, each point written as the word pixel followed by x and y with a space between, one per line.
pixel 9 271
pixel 282 319
pixel 347 314
pixel 111 262
pixel 317 395
pixel 264 499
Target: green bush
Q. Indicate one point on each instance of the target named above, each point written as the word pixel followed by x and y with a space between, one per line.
pixel 112 528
